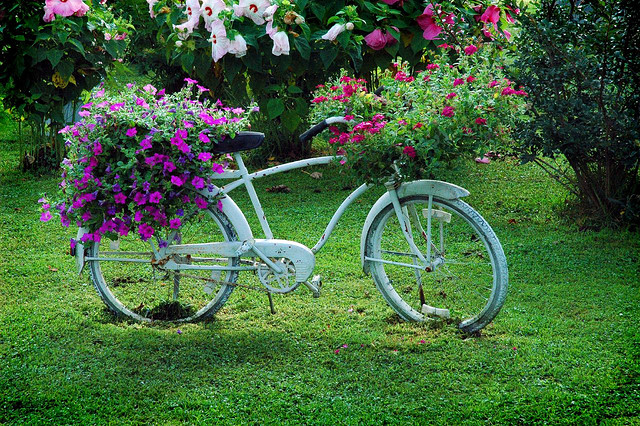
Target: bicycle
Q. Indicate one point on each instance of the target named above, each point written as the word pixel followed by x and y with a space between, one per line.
pixel 429 253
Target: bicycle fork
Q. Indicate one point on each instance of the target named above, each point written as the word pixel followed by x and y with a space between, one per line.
pixel 405 215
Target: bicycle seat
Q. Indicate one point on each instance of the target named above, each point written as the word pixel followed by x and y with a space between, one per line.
pixel 243 141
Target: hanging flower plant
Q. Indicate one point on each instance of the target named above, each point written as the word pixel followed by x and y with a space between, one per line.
pixel 139 159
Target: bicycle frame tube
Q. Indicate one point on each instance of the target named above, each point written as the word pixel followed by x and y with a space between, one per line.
pixel 246 178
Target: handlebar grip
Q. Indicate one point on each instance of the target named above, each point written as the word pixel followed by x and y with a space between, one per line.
pixel 314 131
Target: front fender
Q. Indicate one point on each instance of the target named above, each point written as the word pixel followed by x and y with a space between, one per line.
pixel 437 188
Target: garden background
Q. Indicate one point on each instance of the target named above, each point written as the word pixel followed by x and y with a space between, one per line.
pixel 564 348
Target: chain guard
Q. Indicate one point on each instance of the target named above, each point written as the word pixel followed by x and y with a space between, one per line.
pixel 278 283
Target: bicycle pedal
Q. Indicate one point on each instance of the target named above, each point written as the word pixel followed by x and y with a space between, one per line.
pixel 315 285
pixel 438 312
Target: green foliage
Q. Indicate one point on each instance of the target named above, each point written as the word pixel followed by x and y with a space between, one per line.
pixel 580 62
pixel 46 65
pixel 291 78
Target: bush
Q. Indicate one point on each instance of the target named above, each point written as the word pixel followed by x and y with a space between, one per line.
pixel 580 62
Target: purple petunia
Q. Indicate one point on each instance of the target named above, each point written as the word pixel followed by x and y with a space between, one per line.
pixel 177 181
pixel 132 132
pixel 155 197
pixel 197 182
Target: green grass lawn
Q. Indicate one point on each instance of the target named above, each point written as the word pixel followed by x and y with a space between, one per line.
pixel 564 349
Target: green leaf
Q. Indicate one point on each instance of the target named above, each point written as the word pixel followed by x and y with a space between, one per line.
pixel 294 89
pixel 302 107
pixel 253 62
pixel 318 10
pixel 79 47
pixel 303 47
pixel 232 67
pixel 186 59
pixel 275 107
pixel 291 120
pixel 54 57
pixel 65 68
pixel 328 56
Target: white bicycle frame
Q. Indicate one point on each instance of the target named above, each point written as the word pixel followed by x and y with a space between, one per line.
pixel 302 257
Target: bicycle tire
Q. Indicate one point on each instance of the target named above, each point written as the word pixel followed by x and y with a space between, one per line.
pixel 471 283
pixel 137 292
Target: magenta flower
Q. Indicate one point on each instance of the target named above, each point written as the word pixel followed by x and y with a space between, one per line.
pixel 145 231
pixel 217 168
pixel 45 216
pixel 120 198
pixel 140 198
pixel 138 216
pixel 448 111
pixel 116 107
pixel 175 223
pixel 176 180
pixel 204 138
pixel 145 143
pixel 481 121
pixel 376 39
pixel 491 15
pixel 457 82
pixel 220 205
pixel 410 151
pixel 204 156
pixel 155 197
pixel 97 148
pixel 451 95
pixel 201 203
pixel 132 132
pixel 197 182
pixel 470 50
pixel 471 79
pixel 169 166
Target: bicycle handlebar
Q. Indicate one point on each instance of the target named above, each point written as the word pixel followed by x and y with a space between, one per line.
pixel 320 127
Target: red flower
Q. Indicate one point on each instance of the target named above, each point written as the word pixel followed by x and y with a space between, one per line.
pixel 470 50
pixel 457 82
pixel 481 121
pixel 410 151
pixel 448 111
pixel 471 79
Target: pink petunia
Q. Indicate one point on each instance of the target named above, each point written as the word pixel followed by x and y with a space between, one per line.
pixel 155 197
pixel 204 138
pixel 201 203
pixel 132 132
pixel 204 156
pixel 197 182
pixel 175 223
pixel 120 198
pixel 176 180
pixel 45 216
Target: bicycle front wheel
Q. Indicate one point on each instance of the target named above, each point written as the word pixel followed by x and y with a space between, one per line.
pixel 466 278
pixel 131 285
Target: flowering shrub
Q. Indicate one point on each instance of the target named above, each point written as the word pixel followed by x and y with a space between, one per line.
pixel 138 158
pixel 313 40
pixel 421 122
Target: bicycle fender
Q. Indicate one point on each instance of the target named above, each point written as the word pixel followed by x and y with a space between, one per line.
pixel 233 213
pixel 438 188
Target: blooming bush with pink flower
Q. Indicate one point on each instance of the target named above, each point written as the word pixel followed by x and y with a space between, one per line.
pixel 138 159
pixel 459 105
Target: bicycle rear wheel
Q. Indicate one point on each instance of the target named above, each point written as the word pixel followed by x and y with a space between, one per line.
pixel 469 278
pixel 132 286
